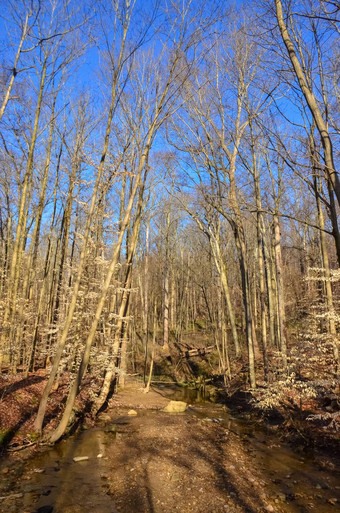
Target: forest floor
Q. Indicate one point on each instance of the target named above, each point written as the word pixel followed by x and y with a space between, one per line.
pixel 156 462
pixel 19 401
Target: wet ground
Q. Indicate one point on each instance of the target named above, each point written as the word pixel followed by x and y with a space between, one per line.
pixel 203 460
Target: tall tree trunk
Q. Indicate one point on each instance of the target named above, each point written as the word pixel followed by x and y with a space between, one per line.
pixel 33 249
pixel 331 173
pixel 154 331
pixel 260 245
pixel 236 222
pixel 120 329
pixel 223 273
pixel 166 271
pixel 280 291
pixel 44 286
pixel 241 247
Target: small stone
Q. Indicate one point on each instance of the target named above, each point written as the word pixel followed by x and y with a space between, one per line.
pixel 269 508
pixel 175 477
pixel 333 501
pixel 5 470
pixel 39 470
pixel 99 455
pixel 104 417
pixel 80 458
pixel 318 487
pixel 132 412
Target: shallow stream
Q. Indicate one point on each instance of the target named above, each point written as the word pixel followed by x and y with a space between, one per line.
pixel 51 482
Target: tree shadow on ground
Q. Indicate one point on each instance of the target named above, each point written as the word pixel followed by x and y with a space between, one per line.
pixel 202 465
pixel 11 388
pixel 13 430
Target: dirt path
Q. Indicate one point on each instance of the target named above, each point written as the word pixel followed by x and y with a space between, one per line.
pixel 179 463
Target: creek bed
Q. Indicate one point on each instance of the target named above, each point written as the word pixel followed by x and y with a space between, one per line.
pixel 51 482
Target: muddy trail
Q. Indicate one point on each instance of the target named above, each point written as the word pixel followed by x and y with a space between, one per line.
pixel 203 460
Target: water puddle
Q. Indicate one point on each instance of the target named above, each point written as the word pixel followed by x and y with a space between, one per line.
pixel 60 484
pixel 301 481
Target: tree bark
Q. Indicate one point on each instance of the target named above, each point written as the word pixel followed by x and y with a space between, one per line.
pixel 280 291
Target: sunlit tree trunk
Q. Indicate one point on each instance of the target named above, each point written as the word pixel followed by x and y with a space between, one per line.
pixel 154 332
pixel 236 222
pixel 280 290
pixel 30 263
pixel 260 246
pixel 166 272
pixel 44 292
pixel 331 172
pixel 223 273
